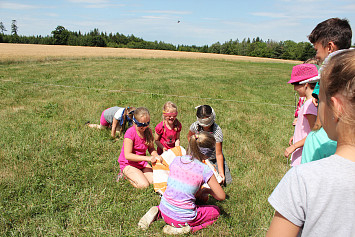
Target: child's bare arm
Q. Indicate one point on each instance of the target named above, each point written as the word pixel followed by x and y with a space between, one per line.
pixel 289 150
pixel 280 226
pixel 157 140
pixel 114 127
pixel 220 160
pixel 311 120
pixel 216 190
pixel 177 141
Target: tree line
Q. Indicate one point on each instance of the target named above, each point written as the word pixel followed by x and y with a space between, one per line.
pixel 255 47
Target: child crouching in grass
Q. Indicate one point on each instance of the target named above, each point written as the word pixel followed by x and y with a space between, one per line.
pixel 187 174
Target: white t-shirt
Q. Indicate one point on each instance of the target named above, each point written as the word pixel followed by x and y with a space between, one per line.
pixel 319 196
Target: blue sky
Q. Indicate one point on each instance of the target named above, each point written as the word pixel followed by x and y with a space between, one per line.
pixel 201 22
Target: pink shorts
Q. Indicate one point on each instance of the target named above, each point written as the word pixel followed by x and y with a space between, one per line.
pixel 103 121
pixel 206 215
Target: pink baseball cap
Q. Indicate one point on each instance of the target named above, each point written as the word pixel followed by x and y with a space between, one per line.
pixel 303 72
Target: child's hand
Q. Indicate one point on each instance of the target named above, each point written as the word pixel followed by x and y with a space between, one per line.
pixel 315 101
pixel 294 122
pixel 154 159
pixel 160 159
pixel 223 178
pixel 290 142
pixel 289 150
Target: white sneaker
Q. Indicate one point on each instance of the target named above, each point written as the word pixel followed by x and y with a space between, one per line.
pixel 148 218
pixel 170 230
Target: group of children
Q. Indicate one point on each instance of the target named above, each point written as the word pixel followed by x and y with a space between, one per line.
pixel 316 198
pixel 187 173
pixel 313 199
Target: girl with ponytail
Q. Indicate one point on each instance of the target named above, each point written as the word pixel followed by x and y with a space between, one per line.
pixel 137 140
pixel 187 174
pixel 114 118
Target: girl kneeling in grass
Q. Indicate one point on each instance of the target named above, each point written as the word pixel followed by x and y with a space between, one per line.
pixel 187 175
pixel 317 198
pixel 115 118
pixel 137 140
pixel 206 122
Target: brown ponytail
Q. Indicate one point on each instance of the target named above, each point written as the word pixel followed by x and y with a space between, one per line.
pixel 200 140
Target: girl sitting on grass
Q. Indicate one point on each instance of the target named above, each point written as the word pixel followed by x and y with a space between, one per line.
pixel 115 118
pixel 137 140
pixel 187 175
pixel 167 132
pixel 317 198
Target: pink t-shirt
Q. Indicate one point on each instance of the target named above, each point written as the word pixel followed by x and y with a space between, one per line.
pixel 302 129
pixel 167 136
pixel 139 148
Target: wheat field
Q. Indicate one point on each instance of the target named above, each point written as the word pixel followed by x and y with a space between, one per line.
pixel 25 52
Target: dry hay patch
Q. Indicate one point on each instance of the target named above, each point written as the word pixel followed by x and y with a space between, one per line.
pixel 25 52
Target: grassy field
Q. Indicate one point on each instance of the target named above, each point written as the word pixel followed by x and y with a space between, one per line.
pixel 58 177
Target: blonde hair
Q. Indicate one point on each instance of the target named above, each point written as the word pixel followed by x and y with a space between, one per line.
pixel 200 140
pixel 171 106
pixel 338 78
pixel 144 112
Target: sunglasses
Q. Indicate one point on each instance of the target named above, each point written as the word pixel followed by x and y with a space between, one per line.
pixel 140 124
pixel 295 83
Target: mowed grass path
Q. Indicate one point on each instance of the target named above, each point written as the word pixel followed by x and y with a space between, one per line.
pixel 58 177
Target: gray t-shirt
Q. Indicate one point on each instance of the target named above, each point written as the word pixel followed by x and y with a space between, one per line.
pixel 113 112
pixel 319 197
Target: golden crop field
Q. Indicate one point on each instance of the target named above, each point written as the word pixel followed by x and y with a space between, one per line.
pixel 25 52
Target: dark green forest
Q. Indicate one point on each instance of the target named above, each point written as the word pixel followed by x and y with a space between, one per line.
pixel 255 47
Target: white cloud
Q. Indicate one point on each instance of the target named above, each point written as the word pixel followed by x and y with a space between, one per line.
pixel 104 5
pixel 164 12
pixel 16 6
pixel 52 14
pixel 269 14
pixel 153 17
pixel 169 12
pixel 89 1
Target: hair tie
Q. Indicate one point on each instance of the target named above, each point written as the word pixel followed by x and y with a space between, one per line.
pixel 196 136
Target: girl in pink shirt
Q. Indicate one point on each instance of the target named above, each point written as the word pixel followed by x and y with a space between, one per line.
pixel 167 132
pixel 133 160
pixel 307 114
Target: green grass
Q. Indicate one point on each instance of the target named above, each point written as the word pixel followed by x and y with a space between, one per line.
pixel 57 177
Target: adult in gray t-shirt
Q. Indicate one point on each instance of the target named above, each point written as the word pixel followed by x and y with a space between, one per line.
pixel 319 197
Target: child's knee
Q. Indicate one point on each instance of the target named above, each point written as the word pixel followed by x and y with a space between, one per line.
pixel 143 185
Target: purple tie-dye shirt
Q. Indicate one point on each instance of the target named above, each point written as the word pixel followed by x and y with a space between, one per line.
pixel 185 178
